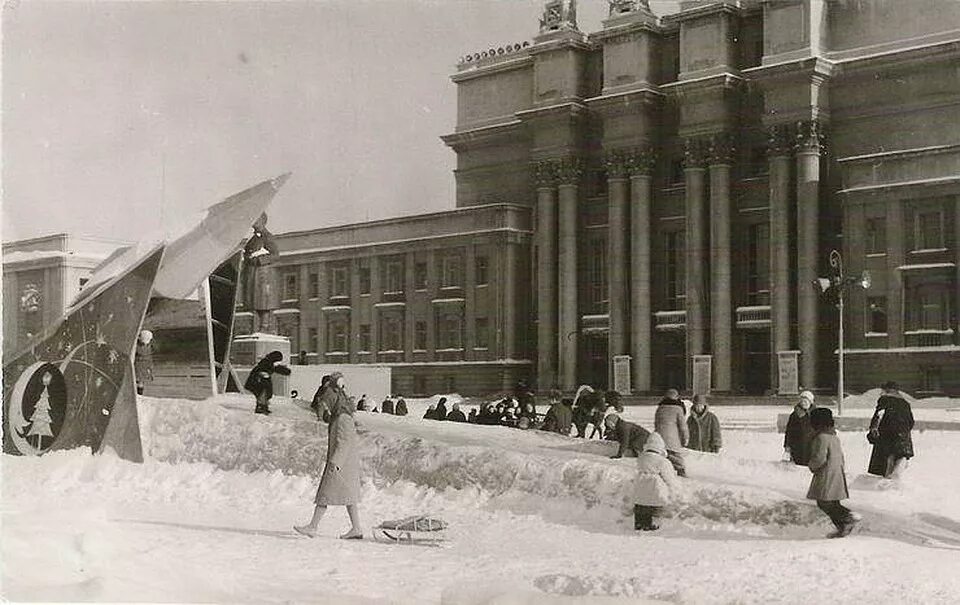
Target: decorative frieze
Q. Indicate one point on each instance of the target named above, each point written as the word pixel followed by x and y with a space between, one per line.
pixel 720 149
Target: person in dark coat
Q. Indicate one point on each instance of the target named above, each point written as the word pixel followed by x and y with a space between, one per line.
pixel 704 427
pixel 456 415
pixel 472 417
pixel 340 483
pixel 387 406
pixel 889 433
pixel 442 409
pixel 401 408
pixel 829 483
pixel 523 395
pixel 431 413
pixel 260 380
pixel 799 433
pixel 559 417
pixel 582 409
pixel 631 437
pixel 315 403
pixel 597 408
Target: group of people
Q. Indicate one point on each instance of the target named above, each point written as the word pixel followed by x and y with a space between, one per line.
pixel 388 406
pixel 438 411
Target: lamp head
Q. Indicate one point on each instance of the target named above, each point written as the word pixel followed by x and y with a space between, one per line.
pixel 822 284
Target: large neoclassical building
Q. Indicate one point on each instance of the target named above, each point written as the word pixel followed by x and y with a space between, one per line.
pixel 666 191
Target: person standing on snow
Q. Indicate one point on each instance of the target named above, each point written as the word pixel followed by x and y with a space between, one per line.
pixel 340 482
pixel 889 433
pixel 670 422
pixel 260 380
pixel 656 479
pixel 442 409
pixel 799 433
pixel 829 483
pixel 703 427
pixel 401 408
pixel 143 360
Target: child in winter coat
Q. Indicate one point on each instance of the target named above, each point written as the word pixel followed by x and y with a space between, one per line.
pixel 829 484
pixel 656 479
pixel 799 433
pixel 703 427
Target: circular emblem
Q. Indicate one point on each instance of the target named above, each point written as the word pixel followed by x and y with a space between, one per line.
pixel 36 408
pixel 30 299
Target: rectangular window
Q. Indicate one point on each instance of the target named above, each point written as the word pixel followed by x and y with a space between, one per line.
pixel 364 344
pixel 449 330
pixel 420 336
pixel 337 339
pixel 929 306
pixel 596 275
pixel 391 272
pixel 877 315
pixel 420 276
pixel 451 270
pixel 758 264
pixel 876 236
pixel 364 280
pixel 482 271
pixel 312 340
pixel 339 281
pixel 291 290
pixel 314 285
pixel 482 328
pixel 391 333
pixel 928 230
pixel 675 257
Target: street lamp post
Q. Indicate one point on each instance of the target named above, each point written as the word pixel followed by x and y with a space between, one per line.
pixel 839 281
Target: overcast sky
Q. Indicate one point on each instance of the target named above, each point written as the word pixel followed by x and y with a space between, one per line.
pixel 120 117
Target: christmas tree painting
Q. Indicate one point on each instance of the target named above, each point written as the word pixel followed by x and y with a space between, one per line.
pixel 40 420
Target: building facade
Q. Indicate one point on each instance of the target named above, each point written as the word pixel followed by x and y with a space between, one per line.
pixel 689 175
pixel 41 276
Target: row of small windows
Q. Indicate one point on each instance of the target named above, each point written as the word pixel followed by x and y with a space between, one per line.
pixel 927 225
pixel 449 335
pixel 450 274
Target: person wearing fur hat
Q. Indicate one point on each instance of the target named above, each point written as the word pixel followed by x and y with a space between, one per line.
pixel 799 433
pixel 631 437
pixel 340 482
pixel 656 479
pixel 260 380
pixel 670 421
pixel 829 483
pixel 704 427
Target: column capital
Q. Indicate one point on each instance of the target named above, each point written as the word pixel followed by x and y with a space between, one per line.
pixel 720 149
pixel 568 170
pixel 545 173
pixel 615 161
pixel 809 136
pixel 694 153
pixel 641 161
pixel 780 139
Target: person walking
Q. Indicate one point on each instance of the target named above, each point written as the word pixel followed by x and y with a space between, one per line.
pixel 799 433
pixel 656 479
pixel 890 433
pixel 703 427
pixel 829 483
pixel 340 482
pixel 671 423
pixel 260 380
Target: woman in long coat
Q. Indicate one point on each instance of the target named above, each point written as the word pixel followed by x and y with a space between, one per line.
pixel 890 433
pixel 340 483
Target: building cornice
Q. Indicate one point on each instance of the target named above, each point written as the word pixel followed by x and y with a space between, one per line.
pixel 484 135
pixel 725 80
pixel 719 7
pixel 471 71
pixel 625 101
pixel 898 58
pixel 808 66
pixel 629 28
pixel 569 109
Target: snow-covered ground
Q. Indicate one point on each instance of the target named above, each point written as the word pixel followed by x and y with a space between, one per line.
pixel 533 517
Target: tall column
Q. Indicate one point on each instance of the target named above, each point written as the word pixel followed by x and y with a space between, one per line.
pixel 721 303
pixel 780 150
pixel 617 226
pixel 511 259
pixel 895 258
pixel 409 323
pixel 641 337
pixel 546 276
pixel 696 259
pixel 568 177
pixel 808 200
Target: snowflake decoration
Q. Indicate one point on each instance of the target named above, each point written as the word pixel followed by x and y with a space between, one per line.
pixel 112 356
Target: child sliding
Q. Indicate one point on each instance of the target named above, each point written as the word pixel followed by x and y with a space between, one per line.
pixel 656 479
pixel 829 483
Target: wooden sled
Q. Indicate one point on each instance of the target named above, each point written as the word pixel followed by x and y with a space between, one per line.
pixel 418 529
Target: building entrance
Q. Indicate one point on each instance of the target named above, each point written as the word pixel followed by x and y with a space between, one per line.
pixel 755 374
pixel 595 361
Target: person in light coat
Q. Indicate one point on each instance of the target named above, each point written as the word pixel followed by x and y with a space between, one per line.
pixel 829 483
pixel 703 427
pixel 340 482
pixel 670 421
pixel 656 480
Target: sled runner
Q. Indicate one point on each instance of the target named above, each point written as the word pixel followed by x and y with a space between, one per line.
pixel 417 529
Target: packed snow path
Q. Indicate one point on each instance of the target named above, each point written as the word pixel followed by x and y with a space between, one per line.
pixel 208 518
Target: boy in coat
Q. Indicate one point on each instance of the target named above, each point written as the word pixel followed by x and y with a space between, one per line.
pixel 799 433
pixel 632 437
pixel 670 421
pixel 829 483
pixel 656 479
pixel 260 380
pixel 703 426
